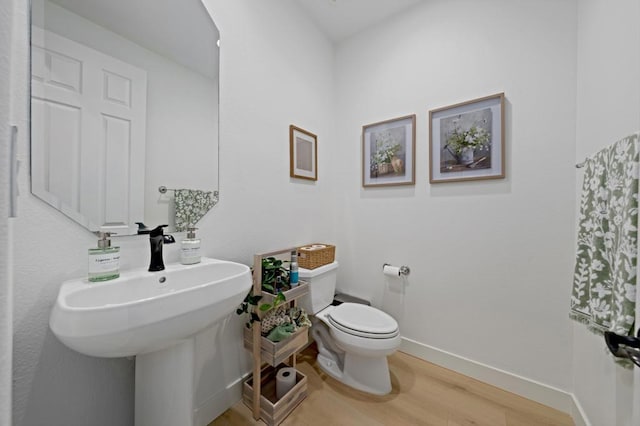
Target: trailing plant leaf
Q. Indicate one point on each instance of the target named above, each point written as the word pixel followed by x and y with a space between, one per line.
pixel 251 300
pixel 279 299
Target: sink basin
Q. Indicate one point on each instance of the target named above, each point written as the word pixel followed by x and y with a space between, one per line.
pixel 142 312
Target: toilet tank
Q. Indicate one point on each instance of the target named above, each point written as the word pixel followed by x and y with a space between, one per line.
pixel 322 287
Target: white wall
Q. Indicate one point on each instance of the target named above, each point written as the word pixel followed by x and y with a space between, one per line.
pixel 608 109
pixel 490 260
pixel 182 128
pixel 6 304
pixel 269 80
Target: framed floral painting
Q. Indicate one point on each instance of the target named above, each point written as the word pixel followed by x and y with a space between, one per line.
pixel 466 141
pixel 388 152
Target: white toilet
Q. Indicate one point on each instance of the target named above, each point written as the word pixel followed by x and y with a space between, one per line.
pixel 353 339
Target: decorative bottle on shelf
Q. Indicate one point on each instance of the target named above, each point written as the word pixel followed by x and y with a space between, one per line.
pixel 190 248
pixel 293 269
pixel 104 261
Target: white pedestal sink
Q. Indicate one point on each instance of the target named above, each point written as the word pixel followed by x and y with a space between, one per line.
pixel 153 316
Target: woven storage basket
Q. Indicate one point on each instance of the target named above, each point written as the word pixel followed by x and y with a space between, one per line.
pixel 312 259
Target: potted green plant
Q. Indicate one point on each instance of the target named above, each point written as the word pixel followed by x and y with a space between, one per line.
pixel 275 277
pixel 275 280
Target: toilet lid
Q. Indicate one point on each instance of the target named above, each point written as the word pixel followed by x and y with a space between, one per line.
pixel 364 321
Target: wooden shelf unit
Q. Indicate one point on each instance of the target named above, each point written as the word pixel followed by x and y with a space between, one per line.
pixel 273 410
pixel 259 389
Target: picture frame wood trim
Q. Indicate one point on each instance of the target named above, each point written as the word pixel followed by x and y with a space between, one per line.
pixel 411 117
pixel 292 172
pixel 501 97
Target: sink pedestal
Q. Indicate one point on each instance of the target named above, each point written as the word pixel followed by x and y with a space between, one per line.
pixel 165 386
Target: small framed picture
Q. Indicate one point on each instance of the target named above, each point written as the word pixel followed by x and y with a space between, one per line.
pixel 303 154
pixel 388 152
pixel 466 141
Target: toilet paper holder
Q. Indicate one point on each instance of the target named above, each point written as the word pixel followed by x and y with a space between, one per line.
pixel 404 270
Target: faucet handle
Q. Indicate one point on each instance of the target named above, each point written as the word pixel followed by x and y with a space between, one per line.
pixel 142 228
pixel 157 231
pixel 168 239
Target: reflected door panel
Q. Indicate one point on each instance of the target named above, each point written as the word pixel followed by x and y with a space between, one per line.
pixel 88 133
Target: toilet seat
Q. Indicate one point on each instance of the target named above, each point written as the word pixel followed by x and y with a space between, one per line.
pixel 363 321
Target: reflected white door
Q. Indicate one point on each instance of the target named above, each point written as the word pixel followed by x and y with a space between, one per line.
pixel 88 133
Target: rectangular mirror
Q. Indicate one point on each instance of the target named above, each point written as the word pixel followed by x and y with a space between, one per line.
pixel 124 99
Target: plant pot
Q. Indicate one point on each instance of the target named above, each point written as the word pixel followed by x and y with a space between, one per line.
pixel 398 165
pixel 385 168
pixel 466 156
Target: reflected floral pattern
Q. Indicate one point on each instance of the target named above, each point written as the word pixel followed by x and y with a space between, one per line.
pixel 191 205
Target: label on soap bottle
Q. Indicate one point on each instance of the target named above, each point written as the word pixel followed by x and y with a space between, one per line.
pixel 190 252
pixel 104 262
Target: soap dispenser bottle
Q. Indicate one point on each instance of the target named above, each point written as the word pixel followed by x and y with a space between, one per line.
pixel 104 261
pixel 190 248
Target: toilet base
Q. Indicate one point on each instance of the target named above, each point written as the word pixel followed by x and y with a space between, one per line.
pixel 368 374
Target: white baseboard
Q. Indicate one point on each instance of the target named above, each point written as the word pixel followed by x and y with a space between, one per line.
pixel 577 413
pixel 527 388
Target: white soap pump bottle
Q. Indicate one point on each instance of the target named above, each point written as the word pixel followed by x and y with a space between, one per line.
pixel 190 248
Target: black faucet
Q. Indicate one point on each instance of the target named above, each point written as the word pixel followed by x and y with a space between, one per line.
pixel 156 240
pixel 142 228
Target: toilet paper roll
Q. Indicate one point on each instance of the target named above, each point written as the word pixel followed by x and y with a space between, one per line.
pixel 318 246
pixel 391 271
pixel 285 380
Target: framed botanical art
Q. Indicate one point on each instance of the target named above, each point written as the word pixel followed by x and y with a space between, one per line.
pixel 303 154
pixel 388 152
pixel 466 141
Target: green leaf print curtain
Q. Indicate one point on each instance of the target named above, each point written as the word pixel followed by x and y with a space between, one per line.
pixel 604 284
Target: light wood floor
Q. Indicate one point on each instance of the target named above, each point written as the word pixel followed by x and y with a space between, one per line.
pixel 423 394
